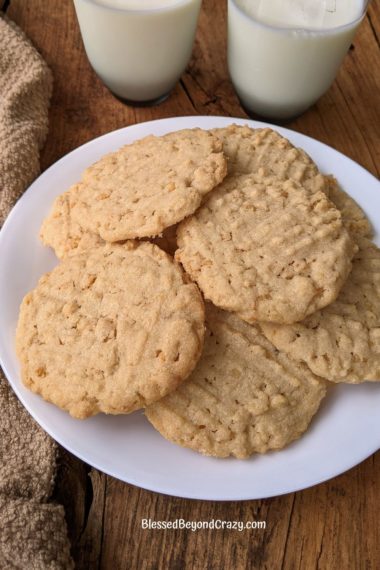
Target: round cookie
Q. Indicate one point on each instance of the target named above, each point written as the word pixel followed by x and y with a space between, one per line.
pixel 249 150
pixel 342 341
pixel 66 236
pixel 243 397
pixel 266 249
pixel 110 330
pixel 149 185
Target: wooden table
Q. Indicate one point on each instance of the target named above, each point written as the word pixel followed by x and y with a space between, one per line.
pixel 333 525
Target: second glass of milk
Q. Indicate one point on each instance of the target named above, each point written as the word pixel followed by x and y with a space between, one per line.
pixel 139 48
pixel 284 54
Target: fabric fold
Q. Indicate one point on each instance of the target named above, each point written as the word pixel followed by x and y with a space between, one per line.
pixel 33 535
pixel 32 530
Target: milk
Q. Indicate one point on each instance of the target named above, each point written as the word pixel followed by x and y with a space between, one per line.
pixel 284 54
pixel 139 48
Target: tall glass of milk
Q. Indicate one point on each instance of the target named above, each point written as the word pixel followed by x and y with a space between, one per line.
pixel 284 54
pixel 139 48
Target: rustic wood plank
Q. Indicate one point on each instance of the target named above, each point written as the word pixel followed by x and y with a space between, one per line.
pixel 73 481
pixel 181 548
pixel 343 531
pixel 333 525
pixel 206 79
pixel 82 492
pixel 87 550
pixel 356 109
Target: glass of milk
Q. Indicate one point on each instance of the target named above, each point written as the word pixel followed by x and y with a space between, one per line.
pixel 139 48
pixel 284 54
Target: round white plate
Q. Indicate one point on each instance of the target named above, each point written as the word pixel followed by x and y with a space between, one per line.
pixel 344 433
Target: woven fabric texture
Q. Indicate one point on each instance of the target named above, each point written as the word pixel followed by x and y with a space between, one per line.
pixel 33 532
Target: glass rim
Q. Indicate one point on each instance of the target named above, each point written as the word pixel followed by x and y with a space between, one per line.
pixel 286 29
pixel 136 11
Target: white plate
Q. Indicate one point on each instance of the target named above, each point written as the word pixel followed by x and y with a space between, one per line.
pixel 344 433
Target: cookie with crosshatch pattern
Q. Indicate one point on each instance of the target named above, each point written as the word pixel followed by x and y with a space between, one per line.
pixel 243 397
pixel 267 249
pixel 249 150
pixel 111 330
pixel 342 341
pixel 149 185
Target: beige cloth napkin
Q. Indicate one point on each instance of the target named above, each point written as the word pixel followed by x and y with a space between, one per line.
pixel 32 530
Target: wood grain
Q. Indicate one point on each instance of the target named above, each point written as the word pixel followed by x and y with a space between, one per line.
pixel 331 526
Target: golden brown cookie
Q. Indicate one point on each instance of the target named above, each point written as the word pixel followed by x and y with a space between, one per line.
pixel 149 185
pixel 354 219
pixel 249 150
pixel 243 397
pixel 342 341
pixel 267 249
pixel 64 234
pixel 110 330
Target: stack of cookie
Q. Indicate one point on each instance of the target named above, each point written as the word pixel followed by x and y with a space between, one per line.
pixel 280 254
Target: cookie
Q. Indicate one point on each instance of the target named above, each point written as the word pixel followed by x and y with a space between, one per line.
pixel 266 249
pixel 66 236
pixel 243 397
pixel 149 185
pixel 342 341
pixel 110 330
pixel 354 219
pixel 249 150
pixel 63 233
